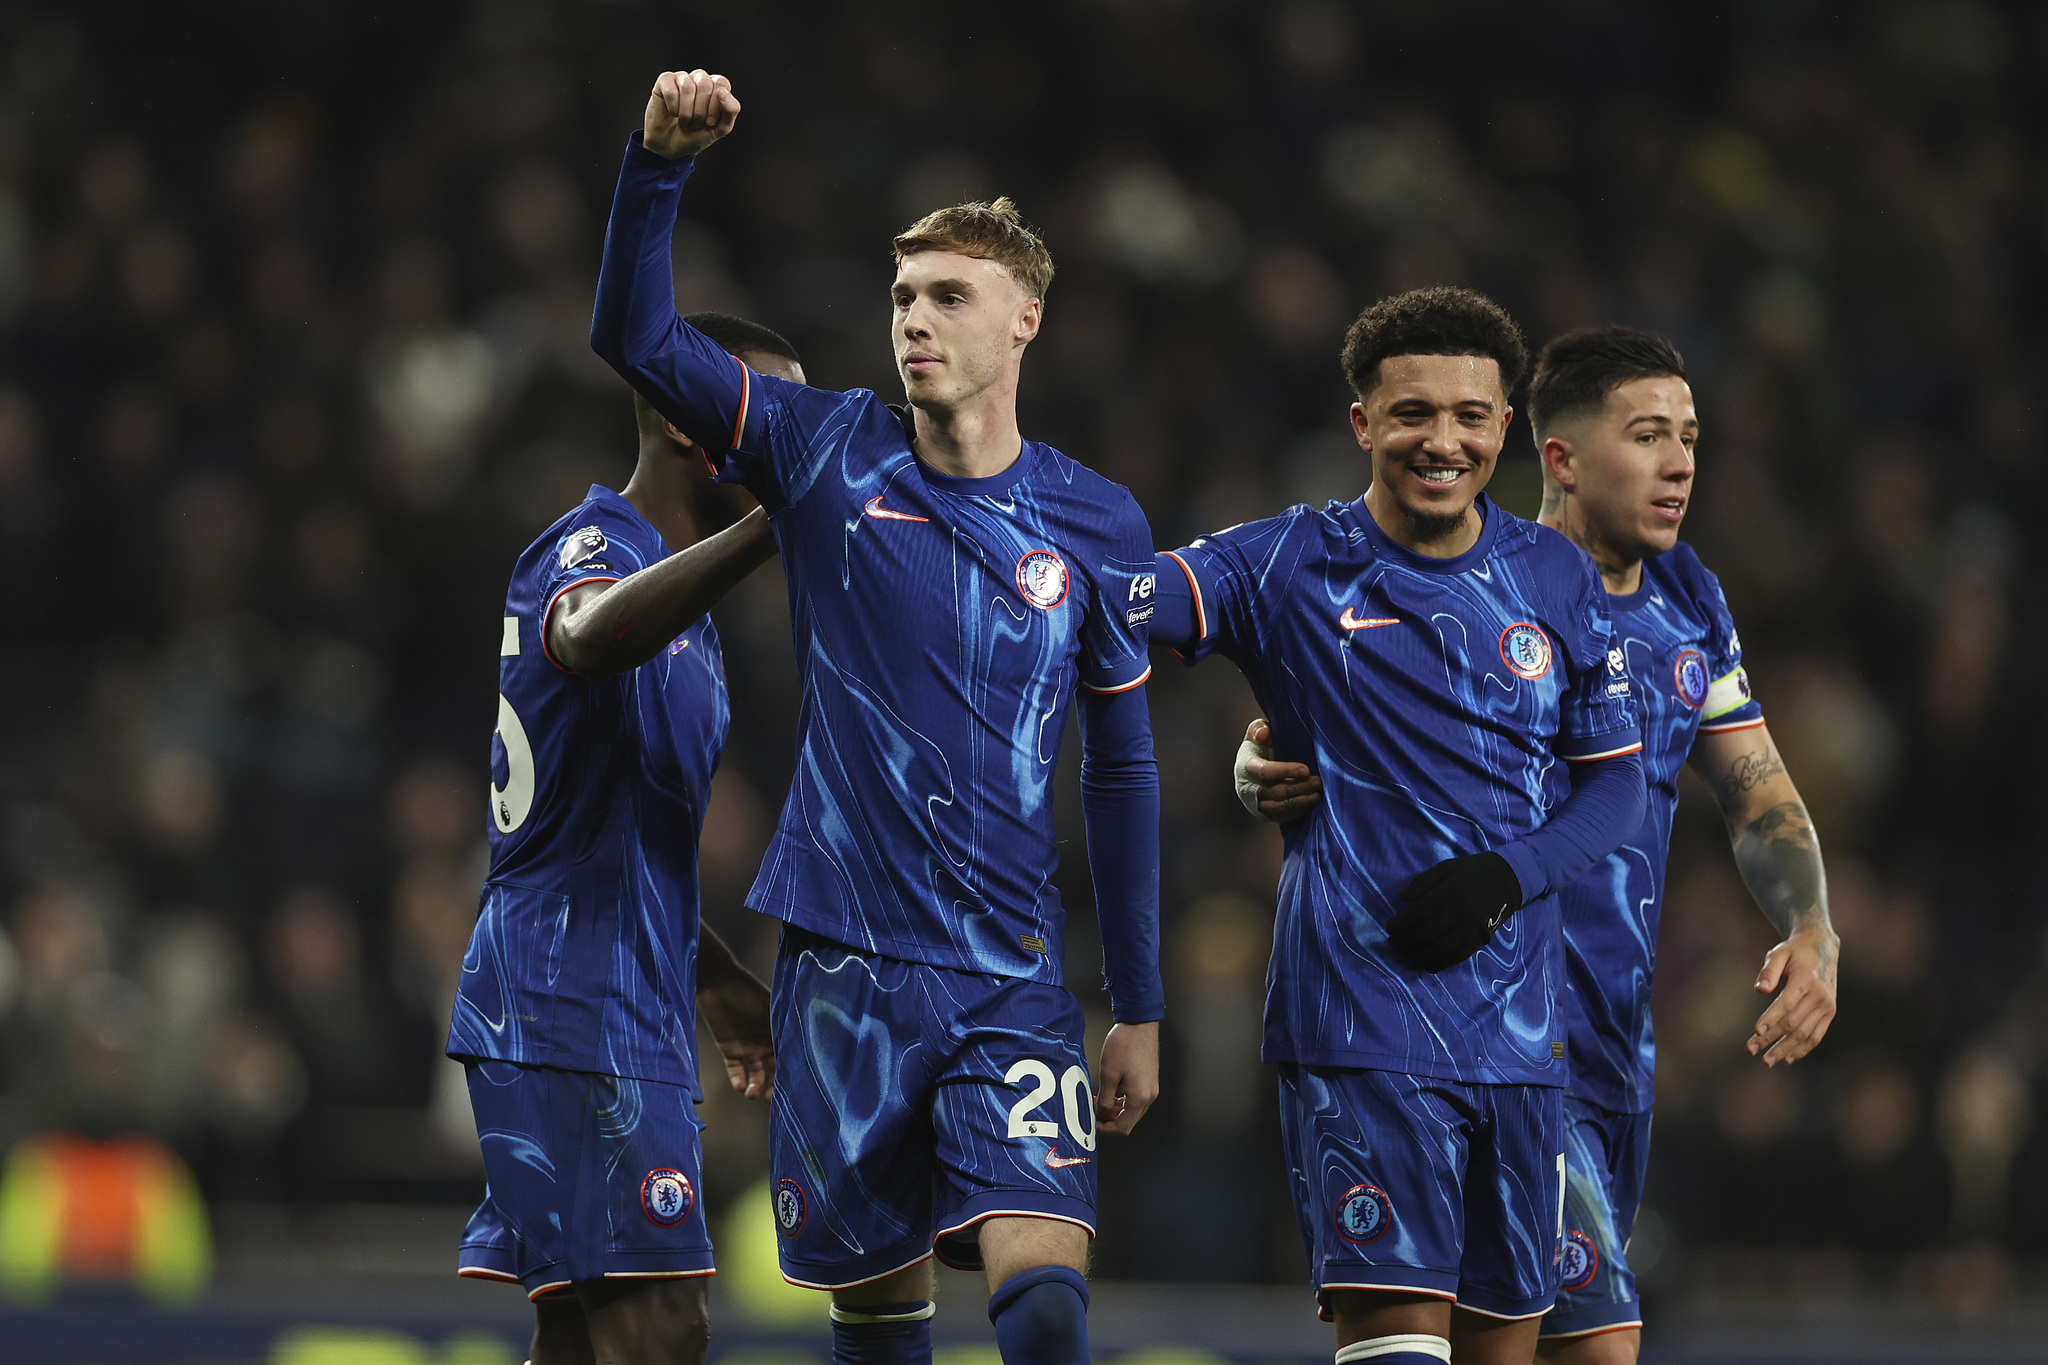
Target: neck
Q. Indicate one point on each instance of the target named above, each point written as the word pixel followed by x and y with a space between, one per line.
pixel 975 440
pixel 1620 573
pixel 1434 542
pixel 666 492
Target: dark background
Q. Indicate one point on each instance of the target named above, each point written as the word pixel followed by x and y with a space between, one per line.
pixel 293 362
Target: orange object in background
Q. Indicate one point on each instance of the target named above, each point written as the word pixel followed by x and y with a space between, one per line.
pixel 125 1210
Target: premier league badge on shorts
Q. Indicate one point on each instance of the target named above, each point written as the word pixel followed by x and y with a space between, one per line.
pixel 1526 650
pixel 789 1207
pixel 1363 1214
pixel 666 1196
pixel 1042 578
pixel 1581 1260
pixel 1689 674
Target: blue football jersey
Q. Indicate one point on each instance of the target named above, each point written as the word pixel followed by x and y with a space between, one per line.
pixel 942 627
pixel 585 950
pixel 1438 699
pixel 1686 662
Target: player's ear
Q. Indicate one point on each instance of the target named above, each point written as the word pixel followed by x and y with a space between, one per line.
pixel 1359 429
pixel 1028 319
pixel 1556 455
pixel 674 434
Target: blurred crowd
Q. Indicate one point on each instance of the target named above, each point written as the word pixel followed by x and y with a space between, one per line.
pixel 294 310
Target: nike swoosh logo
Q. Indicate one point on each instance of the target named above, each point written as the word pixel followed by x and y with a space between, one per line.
pixel 1056 1161
pixel 881 513
pixel 1350 622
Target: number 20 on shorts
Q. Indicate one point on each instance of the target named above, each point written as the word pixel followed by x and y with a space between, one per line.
pixel 1077 1097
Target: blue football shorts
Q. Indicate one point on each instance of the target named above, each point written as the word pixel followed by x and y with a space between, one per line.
pixel 1606 1156
pixel 913 1102
pixel 1423 1186
pixel 587 1176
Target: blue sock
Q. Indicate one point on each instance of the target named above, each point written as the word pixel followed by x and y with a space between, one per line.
pixel 1041 1317
pixel 884 1334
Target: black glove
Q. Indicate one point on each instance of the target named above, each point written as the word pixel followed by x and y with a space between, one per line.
pixel 1453 909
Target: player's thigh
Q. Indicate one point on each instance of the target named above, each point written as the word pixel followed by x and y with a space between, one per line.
pixel 663 1320
pixel 850 1132
pixel 1378 1160
pixel 1606 1158
pixel 1011 1246
pixel 1619 1347
pixel 909 1285
pixel 1013 1115
pixel 560 1335
pixel 1514 1205
pixel 1367 1314
pixel 1477 1339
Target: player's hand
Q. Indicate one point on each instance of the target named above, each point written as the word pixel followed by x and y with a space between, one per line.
pixel 1453 909
pixel 735 1010
pixel 688 111
pixel 1802 971
pixel 1130 1076
pixel 1269 789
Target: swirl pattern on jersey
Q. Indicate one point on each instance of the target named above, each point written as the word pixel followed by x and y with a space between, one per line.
pixel 1419 692
pixel 937 679
pixel 584 954
pixel 1678 637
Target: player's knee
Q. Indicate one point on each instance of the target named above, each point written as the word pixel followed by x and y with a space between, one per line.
pixel 1402 1348
pixel 1041 1317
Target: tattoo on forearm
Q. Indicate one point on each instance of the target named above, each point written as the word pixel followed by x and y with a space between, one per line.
pixel 1751 771
pixel 1778 854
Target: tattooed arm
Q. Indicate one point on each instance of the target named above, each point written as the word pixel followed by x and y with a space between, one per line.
pixel 1778 854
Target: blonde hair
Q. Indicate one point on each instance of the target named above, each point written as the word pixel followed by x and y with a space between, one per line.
pixel 990 232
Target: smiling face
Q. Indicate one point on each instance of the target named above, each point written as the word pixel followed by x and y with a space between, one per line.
pixel 1628 466
pixel 961 325
pixel 1434 425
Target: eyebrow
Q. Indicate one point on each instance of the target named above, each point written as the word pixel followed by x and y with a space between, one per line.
pixel 1417 399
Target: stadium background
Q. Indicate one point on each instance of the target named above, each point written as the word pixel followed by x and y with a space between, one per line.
pixel 293 310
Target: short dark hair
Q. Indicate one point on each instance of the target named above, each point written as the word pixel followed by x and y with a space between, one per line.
pixel 737 334
pixel 1443 319
pixel 1577 370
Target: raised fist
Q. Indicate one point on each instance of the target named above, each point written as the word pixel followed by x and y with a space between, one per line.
pixel 687 112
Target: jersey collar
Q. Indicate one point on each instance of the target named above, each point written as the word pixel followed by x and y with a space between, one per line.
pixel 1385 548
pixel 992 486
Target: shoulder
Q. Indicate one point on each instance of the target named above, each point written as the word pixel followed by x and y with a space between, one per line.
pixel 1680 570
pixel 1268 534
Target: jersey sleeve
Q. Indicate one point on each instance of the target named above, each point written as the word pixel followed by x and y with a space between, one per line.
pixel 1729 704
pixel 1601 717
pixel 1216 576
pixel 752 428
pixel 601 546
pixel 1115 632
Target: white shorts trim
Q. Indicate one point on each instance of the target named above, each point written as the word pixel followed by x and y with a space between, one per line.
pixel 855 1284
pixel 978 1218
pixel 1503 1317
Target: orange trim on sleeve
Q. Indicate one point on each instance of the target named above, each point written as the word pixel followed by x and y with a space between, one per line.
pixel 1194 587
pixel 1739 725
pixel 1138 681
pixel 1634 748
pixel 739 423
pixel 550 611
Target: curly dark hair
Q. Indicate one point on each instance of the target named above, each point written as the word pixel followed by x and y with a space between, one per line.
pixel 1578 369
pixel 1444 319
